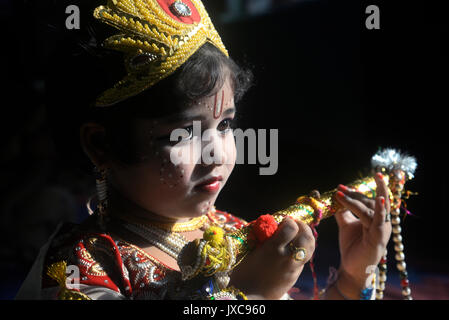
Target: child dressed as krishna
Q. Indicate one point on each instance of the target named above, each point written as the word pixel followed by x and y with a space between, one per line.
pixel 155 232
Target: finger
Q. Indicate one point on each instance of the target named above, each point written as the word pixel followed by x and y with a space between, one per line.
pixel 379 212
pixel 382 190
pixel 357 196
pixel 305 240
pixel 359 209
pixel 285 233
pixel 344 217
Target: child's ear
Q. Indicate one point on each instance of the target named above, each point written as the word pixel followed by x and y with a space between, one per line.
pixel 94 144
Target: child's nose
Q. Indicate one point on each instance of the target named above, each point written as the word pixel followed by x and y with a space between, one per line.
pixel 213 151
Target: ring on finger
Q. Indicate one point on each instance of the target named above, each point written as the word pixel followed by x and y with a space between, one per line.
pixel 298 253
pixel 388 217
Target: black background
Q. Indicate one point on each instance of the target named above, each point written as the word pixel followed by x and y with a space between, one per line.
pixel 335 91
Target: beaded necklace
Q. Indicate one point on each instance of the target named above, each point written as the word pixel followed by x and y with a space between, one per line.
pixel 166 241
pixel 166 237
pixel 191 225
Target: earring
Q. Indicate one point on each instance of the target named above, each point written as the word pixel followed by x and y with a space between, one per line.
pixel 102 193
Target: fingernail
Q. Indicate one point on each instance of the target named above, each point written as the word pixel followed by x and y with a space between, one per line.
pixel 342 187
pixel 383 201
pixel 340 194
pixel 380 175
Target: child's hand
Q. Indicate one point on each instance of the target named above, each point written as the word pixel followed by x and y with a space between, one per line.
pixel 270 270
pixel 363 237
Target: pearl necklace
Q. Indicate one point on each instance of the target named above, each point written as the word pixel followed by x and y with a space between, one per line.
pixel 168 242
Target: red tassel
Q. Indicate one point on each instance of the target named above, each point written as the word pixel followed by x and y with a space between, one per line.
pixel 263 228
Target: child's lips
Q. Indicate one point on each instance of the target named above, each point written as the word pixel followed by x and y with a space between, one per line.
pixel 210 185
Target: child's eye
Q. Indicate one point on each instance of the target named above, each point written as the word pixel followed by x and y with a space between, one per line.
pixel 226 125
pixel 188 135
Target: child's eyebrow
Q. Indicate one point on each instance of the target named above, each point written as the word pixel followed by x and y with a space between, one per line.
pixel 184 116
pixel 229 111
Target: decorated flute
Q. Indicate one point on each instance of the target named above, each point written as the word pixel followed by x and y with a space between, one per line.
pixel 220 251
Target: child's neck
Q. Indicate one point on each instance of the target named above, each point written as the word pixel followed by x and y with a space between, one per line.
pixel 121 207
pixel 124 209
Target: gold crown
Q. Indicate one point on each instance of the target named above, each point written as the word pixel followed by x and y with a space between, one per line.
pixel 156 37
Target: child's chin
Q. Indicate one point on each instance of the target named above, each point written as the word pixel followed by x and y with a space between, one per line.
pixel 203 208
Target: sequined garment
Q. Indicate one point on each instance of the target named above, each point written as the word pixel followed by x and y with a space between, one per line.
pixel 111 268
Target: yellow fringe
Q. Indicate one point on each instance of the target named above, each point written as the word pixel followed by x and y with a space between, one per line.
pixel 56 271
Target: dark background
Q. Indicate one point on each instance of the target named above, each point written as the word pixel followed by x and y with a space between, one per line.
pixel 335 91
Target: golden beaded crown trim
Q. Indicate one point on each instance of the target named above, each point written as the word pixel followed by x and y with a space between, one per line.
pixel 156 37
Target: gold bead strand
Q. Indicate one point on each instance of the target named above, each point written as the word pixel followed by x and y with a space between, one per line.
pixel 382 276
pixel 396 187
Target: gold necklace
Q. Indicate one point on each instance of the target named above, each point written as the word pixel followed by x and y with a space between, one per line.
pixel 191 225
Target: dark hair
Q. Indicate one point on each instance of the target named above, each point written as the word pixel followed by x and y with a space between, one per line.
pixel 200 76
pixel 90 69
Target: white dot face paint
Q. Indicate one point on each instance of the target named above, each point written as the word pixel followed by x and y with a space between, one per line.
pixel 189 189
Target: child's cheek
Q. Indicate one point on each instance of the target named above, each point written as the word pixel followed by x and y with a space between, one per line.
pixel 170 175
pixel 230 150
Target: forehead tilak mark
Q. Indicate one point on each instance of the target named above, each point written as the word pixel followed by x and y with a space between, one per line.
pixel 218 105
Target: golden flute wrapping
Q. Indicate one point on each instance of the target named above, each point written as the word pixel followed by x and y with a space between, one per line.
pixel 308 209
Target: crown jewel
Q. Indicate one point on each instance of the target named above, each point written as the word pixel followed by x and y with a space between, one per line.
pixel 156 37
pixel 181 9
